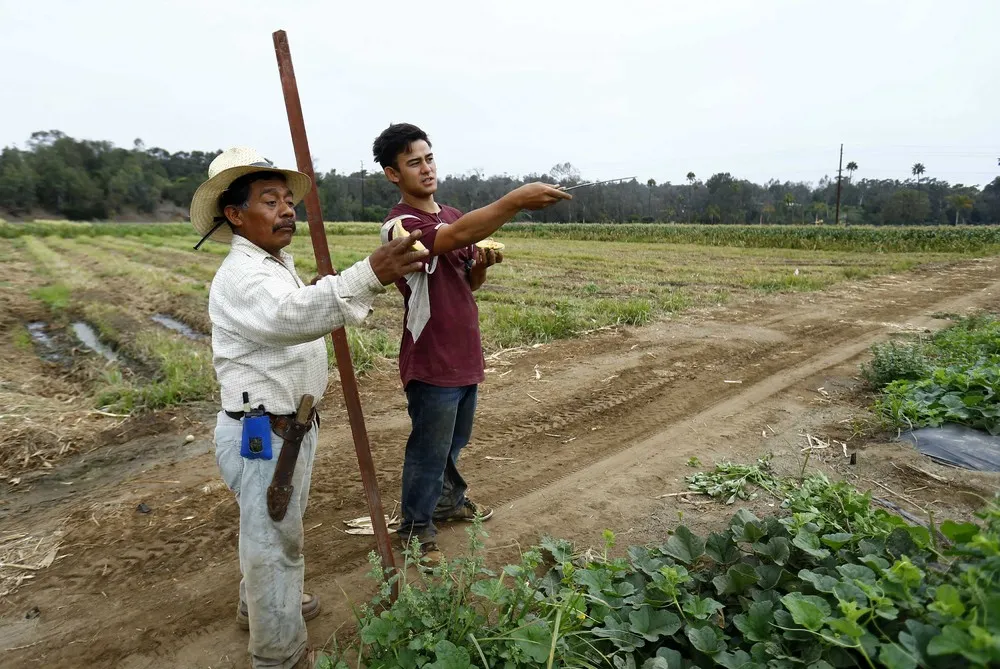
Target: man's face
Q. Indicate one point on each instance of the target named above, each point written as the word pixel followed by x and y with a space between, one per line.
pixel 269 218
pixel 415 172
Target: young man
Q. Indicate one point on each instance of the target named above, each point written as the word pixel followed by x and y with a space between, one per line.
pixel 441 355
pixel 267 342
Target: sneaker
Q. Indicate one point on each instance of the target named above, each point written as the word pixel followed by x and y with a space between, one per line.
pixel 467 513
pixel 310 609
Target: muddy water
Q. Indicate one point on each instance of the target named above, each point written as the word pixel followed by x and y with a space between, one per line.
pixel 47 347
pixel 177 326
pixel 88 337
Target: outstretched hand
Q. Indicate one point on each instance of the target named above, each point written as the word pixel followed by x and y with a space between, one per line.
pixel 397 258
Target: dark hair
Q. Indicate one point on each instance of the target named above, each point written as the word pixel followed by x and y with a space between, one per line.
pixel 394 140
pixel 238 193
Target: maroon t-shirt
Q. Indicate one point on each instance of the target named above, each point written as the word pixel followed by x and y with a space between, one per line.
pixel 448 351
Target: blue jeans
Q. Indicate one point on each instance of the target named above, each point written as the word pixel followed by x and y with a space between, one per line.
pixel 441 426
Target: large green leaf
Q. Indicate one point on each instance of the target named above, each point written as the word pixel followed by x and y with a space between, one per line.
pixel 736 580
pixel 769 575
pixel 959 533
pixel 596 580
pixel 821 582
pixel 685 545
pixel 848 628
pixel 837 540
pixel 755 624
pixel 809 542
pixel 534 639
pixel 857 572
pixel 722 548
pixel 736 660
pixel 917 637
pixel 701 608
pixel 560 549
pixel 900 542
pixel 379 632
pixel 750 531
pixel 492 589
pixel 951 641
pixel 948 601
pixel 809 611
pixel 643 560
pixel 449 656
pixel 706 639
pixel 894 657
pixel 666 658
pixel 618 632
pixel 776 550
pixel 653 624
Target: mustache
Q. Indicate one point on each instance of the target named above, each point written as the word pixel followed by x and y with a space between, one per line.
pixel 281 226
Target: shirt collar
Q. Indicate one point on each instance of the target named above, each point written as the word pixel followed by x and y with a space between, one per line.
pixel 250 249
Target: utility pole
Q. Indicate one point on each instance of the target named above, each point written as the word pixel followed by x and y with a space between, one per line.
pixel 362 190
pixel 839 178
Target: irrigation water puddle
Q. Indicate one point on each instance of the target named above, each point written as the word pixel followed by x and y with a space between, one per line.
pixel 88 337
pixel 47 346
pixel 177 326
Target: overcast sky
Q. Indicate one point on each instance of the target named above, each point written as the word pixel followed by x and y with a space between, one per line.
pixel 760 89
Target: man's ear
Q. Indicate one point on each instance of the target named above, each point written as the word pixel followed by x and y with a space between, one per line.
pixel 391 174
pixel 234 215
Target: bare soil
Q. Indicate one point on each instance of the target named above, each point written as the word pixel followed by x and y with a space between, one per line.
pixel 589 432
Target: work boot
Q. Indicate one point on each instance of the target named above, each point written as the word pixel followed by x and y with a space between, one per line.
pixel 430 554
pixel 307 661
pixel 467 513
pixel 310 609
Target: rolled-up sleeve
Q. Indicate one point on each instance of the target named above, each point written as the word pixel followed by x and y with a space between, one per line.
pixel 273 312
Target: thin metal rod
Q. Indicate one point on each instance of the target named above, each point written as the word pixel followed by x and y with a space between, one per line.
pixel 597 183
pixel 840 165
pixel 314 215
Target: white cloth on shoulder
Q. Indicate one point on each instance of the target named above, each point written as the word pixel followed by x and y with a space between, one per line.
pixel 419 304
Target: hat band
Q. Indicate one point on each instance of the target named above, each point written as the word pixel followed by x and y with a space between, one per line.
pixel 209 233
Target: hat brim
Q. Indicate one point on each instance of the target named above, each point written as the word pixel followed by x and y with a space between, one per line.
pixel 205 203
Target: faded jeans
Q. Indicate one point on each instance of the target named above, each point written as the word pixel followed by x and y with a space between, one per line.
pixel 441 421
pixel 271 559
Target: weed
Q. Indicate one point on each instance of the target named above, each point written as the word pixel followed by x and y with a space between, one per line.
pixel 55 296
pixel 953 378
pixel 893 360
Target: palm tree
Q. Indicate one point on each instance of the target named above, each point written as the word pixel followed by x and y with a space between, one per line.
pixel 649 207
pixel 691 177
pixel 960 203
pixel 851 166
pixel 917 170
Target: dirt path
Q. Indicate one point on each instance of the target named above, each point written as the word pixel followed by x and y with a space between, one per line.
pixel 589 432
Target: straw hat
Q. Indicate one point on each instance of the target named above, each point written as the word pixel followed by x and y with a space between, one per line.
pixel 224 170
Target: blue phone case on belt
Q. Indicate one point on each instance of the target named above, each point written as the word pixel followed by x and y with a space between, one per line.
pixel 256 444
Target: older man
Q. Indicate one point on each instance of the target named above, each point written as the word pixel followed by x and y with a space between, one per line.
pixel 267 342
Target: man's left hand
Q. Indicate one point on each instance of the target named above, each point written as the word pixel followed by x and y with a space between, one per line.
pixel 487 257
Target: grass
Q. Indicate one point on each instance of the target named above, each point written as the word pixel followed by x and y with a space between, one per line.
pixel 556 282
pixel 20 338
pixel 55 296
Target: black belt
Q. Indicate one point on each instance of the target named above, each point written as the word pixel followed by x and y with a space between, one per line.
pixel 279 422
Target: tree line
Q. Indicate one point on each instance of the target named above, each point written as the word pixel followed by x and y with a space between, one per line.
pixel 58 176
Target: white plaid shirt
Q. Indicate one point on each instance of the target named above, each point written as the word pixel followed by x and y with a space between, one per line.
pixel 268 326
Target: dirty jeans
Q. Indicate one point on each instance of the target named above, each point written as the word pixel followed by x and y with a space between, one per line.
pixel 441 421
pixel 271 559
